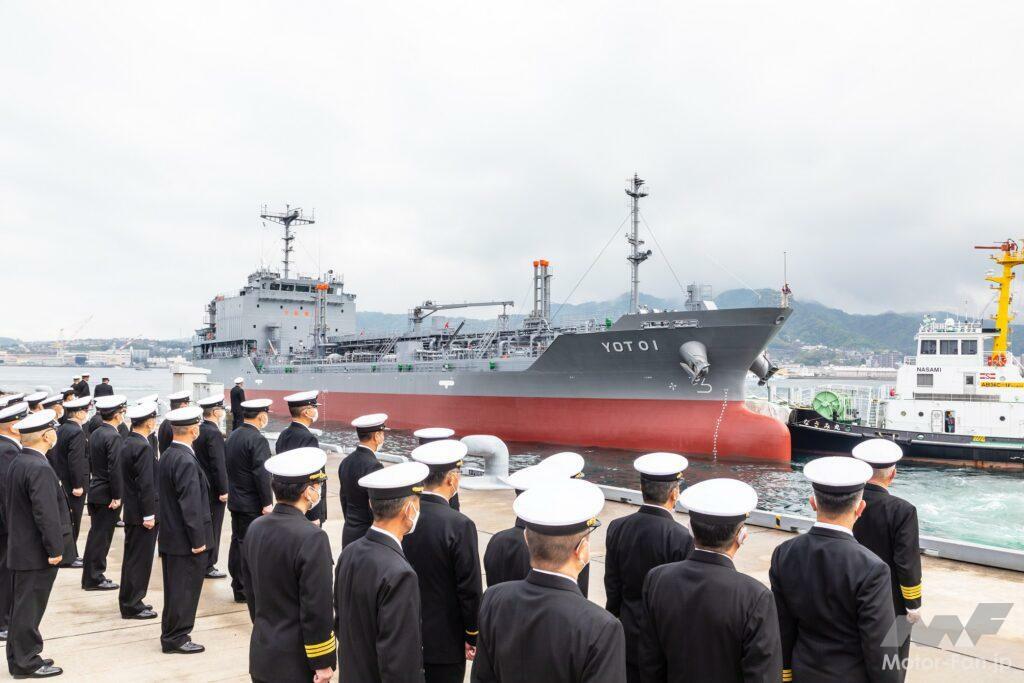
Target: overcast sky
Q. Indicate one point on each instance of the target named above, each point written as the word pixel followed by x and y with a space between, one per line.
pixel 445 145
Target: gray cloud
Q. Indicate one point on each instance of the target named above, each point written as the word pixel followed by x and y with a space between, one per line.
pixel 446 145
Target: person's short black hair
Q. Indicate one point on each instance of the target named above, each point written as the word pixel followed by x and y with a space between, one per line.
pixel 208 412
pixel 387 509
pixel 436 477
pixel 296 411
pixel 142 421
pixel 713 536
pixel 107 417
pixel 286 492
pixel 552 551
pixel 657 492
pixel 365 436
pixel 251 414
pixel 837 503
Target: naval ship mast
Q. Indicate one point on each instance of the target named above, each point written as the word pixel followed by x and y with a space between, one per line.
pixel 287 218
pixel 1010 257
pixel 636 255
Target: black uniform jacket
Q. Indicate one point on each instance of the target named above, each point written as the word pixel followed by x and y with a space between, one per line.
pixel 248 482
pixel 443 551
pixel 543 629
pixel 164 435
pixel 103 390
pixel 93 422
pixel 81 388
pixel 508 559
pixel 9 450
pixel 141 479
pixel 209 448
pixel 286 568
pixel 105 447
pixel 297 435
pixel 355 503
pixel 377 613
pixel 835 609
pixel 185 520
pixel 636 544
pixel 705 621
pixel 36 511
pixel 889 529
pixel 70 457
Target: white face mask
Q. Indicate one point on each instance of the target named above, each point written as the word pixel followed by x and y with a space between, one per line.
pixel 319 496
pixel 743 535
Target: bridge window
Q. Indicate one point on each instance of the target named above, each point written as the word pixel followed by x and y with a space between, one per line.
pixel 301 288
pixel 275 286
pixel 287 288
pixel 969 347
pixel 925 379
pixel 928 347
pixel 949 347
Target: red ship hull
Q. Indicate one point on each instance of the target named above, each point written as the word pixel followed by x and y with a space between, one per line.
pixel 699 428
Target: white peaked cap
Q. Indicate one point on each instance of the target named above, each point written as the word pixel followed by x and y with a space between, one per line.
pixel 878 452
pixel 560 508
pixel 567 462
pixel 727 500
pixel 837 474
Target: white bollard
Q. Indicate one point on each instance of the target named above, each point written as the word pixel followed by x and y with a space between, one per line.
pixel 495 454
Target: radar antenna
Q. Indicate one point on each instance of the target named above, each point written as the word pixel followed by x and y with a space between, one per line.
pixel 287 218
pixel 636 255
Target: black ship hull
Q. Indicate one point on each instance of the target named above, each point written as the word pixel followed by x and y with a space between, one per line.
pixel 813 435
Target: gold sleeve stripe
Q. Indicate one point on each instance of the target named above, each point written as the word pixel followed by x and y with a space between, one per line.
pixel 787 675
pixel 323 648
pixel 472 633
pixel 911 592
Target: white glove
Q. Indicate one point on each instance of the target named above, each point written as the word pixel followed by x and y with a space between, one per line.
pixel 913 616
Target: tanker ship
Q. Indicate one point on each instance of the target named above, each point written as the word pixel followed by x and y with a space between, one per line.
pixel 648 380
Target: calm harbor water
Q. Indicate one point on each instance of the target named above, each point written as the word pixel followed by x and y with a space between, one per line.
pixel 953 502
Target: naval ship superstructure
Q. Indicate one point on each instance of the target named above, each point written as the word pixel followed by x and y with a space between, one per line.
pixel 648 380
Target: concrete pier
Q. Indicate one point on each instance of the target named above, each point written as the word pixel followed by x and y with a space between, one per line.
pixel 85 634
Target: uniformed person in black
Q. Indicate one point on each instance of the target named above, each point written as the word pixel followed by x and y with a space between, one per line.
pixel 542 628
pixel 186 531
pixel 249 494
pixel 54 403
pixel 39 526
pixel 209 449
pixel 83 386
pixel 106 489
pixel 444 554
pixel 702 620
pixel 237 398
pixel 303 408
pixel 507 558
pixel 141 499
pixel 71 462
pixel 103 388
pixel 35 401
pixel 355 503
pixel 287 570
pixel 76 386
pixel 431 434
pixel 165 435
pixel 376 593
pixel 832 594
pixel 10 447
pixel 889 529
pixel 639 542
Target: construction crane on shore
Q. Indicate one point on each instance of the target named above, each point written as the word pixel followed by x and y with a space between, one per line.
pixel 61 344
pixel 429 308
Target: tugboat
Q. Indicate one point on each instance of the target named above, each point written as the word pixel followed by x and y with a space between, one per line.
pixel 960 400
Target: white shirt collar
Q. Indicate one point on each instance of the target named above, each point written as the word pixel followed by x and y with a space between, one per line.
pixel 714 552
pixel 11 439
pixel 183 444
pixel 388 534
pixel 433 493
pixel 656 507
pixel 559 574
pixel 834 527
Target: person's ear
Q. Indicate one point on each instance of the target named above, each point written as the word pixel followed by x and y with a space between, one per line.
pixel 892 475
pixel 814 503
pixel 861 507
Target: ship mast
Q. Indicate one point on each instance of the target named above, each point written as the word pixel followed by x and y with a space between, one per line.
pixel 287 218
pixel 636 255
pixel 1010 257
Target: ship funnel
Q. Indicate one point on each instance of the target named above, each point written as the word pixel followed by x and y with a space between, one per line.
pixel 694 357
pixel 495 454
pixel 764 369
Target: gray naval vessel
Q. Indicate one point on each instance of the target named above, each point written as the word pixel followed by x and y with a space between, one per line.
pixel 650 380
